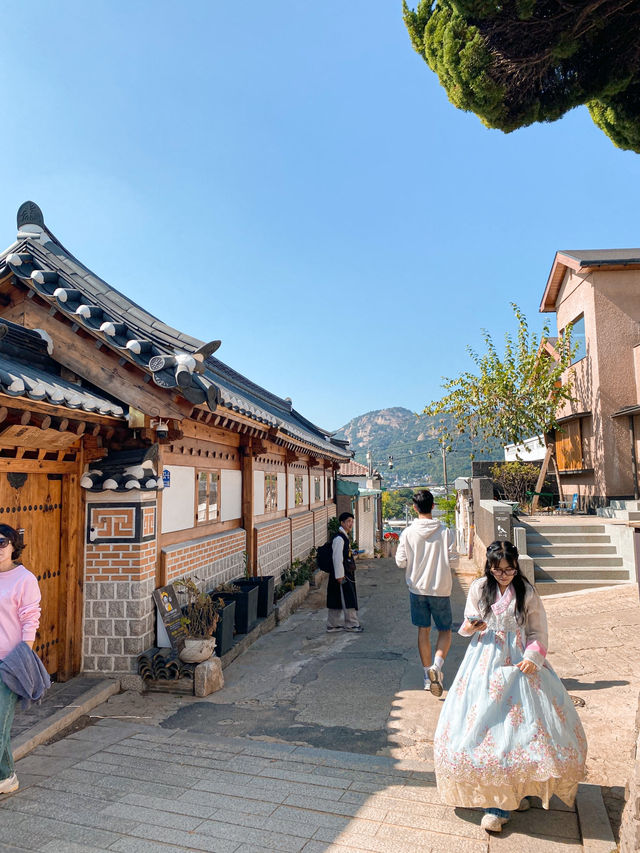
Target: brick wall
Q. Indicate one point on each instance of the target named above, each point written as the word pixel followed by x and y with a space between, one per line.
pixel 302 535
pixel 212 559
pixel 320 517
pixel 119 574
pixel 273 547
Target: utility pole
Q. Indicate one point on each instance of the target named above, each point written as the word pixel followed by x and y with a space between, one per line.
pixel 444 471
pixel 370 465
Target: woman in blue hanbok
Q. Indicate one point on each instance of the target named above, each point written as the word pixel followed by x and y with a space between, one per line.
pixel 508 729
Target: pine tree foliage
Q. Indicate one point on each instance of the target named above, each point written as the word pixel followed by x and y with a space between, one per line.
pixel 512 397
pixel 516 62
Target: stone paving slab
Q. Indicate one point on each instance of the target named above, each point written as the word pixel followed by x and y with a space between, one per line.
pixel 125 792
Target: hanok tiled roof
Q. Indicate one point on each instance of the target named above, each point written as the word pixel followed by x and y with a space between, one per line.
pixel 26 370
pixel 124 471
pixel 174 360
pixel 353 469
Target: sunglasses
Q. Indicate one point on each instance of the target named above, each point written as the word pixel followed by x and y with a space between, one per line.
pixel 4 542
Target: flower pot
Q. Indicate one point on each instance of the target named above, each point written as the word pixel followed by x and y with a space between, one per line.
pixel 265 592
pixel 197 650
pixel 224 629
pixel 246 608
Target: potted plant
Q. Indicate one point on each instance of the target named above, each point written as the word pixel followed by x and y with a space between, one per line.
pixel 264 583
pixel 246 601
pixel 200 619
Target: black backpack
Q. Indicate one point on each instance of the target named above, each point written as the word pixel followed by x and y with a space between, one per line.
pixel 324 557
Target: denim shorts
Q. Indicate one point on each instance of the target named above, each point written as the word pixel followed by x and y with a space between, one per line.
pixel 423 607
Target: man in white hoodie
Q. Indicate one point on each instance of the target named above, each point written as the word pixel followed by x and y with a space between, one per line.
pixel 426 551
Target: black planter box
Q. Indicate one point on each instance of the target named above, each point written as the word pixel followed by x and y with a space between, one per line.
pixel 246 608
pixel 265 592
pixel 224 628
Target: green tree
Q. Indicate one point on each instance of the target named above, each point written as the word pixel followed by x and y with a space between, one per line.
pixel 395 501
pixel 448 507
pixel 515 479
pixel 513 397
pixel 515 62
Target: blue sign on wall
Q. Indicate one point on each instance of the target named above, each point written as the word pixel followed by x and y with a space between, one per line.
pixel 166 478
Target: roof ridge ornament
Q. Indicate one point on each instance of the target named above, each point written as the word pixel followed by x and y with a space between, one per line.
pixel 29 214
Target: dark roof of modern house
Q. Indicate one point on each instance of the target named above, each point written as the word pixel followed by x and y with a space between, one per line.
pixel 27 370
pixel 584 261
pixel 173 359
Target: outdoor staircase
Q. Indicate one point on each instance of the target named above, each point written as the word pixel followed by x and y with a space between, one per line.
pixel 624 510
pixel 573 556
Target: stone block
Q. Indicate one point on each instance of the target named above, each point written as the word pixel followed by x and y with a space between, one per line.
pixel 99 609
pixel 105 628
pixel 133 682
pixel 106 589
pixel 116 609
pixel 114 646
pixel 123 590
pixel 208 677
pixel 98 645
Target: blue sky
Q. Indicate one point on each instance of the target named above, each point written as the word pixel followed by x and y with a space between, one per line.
pixel 291 178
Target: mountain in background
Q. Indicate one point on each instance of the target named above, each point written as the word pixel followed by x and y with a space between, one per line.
pixel 412 440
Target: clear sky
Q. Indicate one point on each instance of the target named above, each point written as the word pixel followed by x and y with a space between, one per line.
pixel 290 177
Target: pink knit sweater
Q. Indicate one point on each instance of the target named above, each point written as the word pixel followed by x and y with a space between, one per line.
pixel 19 608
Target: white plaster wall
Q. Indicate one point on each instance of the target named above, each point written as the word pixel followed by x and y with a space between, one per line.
pixel 178 499
pixel 230 495
pixel 282 491
pixel 292 490
pixel 305 490
pixel 258 493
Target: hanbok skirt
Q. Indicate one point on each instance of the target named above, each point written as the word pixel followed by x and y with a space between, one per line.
pixel 504 735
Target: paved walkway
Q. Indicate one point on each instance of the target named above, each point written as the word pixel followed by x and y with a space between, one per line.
pixel 317 743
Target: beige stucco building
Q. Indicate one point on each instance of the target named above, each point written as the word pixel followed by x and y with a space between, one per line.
pixel 598 292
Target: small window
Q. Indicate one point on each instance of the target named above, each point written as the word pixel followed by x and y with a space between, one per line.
pixel 578 337
pixel 208 496
pixel 316 489
pixel 298 491
pixel 270 492
pixel 329 488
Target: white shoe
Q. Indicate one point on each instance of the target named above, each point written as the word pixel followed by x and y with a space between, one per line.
pixel 435 681
pixel 9 785
pixel 493 823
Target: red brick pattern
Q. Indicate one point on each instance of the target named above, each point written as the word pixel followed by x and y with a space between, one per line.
pixel 302 520
pixel 120 561
pixel 270 531
pixel 113 522
pixel 202 553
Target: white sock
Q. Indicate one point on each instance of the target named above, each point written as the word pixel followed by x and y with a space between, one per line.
pixel 438 662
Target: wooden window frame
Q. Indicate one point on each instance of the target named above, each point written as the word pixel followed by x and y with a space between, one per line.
pixel 270 492
pixel 211 476
pixel 317 492
pixel 329 488
pixel 298 490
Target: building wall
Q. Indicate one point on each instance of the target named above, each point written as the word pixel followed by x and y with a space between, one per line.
pixel 320 519
pixel 273 547
pixel 302 532
pixel 605 379
pixel 365 524
pixel 212 559
pixel 120 571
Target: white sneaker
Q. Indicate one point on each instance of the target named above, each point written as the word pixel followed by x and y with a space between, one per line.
pixel 493 823
pixel 435 681
pixel 9 785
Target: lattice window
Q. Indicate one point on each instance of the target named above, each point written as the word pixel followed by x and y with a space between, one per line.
pixel 270 492
pixel 207 496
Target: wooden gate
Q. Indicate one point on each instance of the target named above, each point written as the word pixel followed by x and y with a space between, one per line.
pixel 33 503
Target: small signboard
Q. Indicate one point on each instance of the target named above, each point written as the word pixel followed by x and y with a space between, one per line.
pixel 166 478
pixel 167 603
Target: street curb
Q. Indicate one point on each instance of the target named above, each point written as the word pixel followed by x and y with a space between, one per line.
pixel 586 591
pixel 46 729
pixel 595 828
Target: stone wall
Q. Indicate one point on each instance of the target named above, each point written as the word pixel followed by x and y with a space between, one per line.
pixel 302 533
pixel 320 518
pixel 630 826
pixel 273 547
pixel 120 567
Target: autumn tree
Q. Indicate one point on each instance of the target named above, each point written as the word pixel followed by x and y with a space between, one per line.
pixel 516 62
pixel 511 397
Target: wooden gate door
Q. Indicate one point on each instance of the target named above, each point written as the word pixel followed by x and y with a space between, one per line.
pixel 33 503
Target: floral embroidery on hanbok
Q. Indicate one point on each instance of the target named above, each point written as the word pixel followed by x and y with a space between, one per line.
pixel 534 680
pixel 516 714
pixel 471 717
pixel 462 685
pixel 483 663
pixel 496 686
pixel 559 710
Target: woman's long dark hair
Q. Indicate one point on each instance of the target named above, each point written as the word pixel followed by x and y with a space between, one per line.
pixel 502 549
pixel 16 541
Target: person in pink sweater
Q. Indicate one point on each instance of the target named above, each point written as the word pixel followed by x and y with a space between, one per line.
pixel 19 620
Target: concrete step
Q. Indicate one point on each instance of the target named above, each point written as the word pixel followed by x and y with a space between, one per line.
pixel 583 573
pixel 630 505
pixel 537 549
pixel 564 528
pixel 551 587
pixel 567 538
pixel 577 561
pixel 620 514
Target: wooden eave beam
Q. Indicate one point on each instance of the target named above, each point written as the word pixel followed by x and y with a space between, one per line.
pixel 20 405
